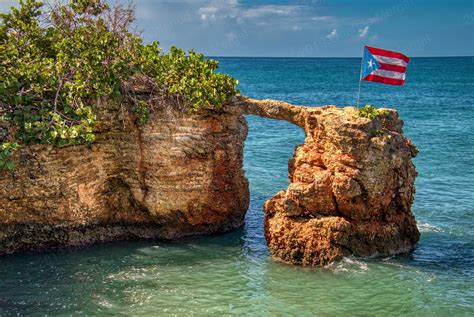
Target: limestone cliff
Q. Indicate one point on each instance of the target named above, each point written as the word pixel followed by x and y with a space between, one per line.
pixel 350 192
pixel 351 186
pixel 178 175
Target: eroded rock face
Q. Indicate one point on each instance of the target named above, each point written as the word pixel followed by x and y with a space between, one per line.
pixel 350 192
pixel 178 175
pixel 351 187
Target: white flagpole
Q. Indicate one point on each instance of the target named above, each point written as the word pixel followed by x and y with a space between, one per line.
pixel 360 78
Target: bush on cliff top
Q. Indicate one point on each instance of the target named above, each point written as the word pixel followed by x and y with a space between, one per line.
pixel 369 111
pixel 57 63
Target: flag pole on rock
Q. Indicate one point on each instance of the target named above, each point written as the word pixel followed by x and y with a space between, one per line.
pixel 382 66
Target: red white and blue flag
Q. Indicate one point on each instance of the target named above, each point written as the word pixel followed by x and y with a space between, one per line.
pixel 383 66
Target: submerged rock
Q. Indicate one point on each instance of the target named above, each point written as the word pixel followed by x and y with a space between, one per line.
pixel 351 186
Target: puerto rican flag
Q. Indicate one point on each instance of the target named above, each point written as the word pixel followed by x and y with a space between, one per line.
pixel 383 66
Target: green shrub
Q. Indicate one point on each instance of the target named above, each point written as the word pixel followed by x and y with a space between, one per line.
pixel 375 133
pixel 142 112
pixel 371 112
pixel 6 151
pixel 57 66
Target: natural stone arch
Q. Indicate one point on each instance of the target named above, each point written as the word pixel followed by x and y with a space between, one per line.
pixel 351 186
pixel 351 183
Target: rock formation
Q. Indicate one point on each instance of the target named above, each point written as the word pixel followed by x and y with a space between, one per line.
pixel 180 174
pixel 351 186
pixel 350 192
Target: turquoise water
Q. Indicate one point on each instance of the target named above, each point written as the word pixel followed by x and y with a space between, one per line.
pixel 232 274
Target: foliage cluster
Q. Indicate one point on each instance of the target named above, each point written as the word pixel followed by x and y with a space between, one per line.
pixel 58 64
pixel 371 112
pixel 6 151
pixel 376 132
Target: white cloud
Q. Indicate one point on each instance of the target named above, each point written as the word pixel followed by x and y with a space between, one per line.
pixel 207 13
pixel 206 17
pixel 266 10
pixel 322 18
pixel 363 32
pixel 244 27
pixel 332 35
pixel 234 10
pixel 202 23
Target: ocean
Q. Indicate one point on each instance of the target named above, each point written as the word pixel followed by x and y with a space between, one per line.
pixel 233 274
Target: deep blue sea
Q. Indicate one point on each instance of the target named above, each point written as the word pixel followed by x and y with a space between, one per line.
pixel 233 274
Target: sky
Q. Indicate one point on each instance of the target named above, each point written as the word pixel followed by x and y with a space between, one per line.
pixel 307 28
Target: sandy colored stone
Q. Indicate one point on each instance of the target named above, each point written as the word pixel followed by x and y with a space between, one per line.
pixel 350 193
pixel 178 175
pixel 351 186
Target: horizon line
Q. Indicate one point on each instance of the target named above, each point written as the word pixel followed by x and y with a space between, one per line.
pixel 248 56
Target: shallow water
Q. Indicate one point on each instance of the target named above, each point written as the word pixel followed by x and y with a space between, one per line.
pixel 233 273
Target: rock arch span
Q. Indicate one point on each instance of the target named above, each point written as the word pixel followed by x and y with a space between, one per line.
pixel 351 184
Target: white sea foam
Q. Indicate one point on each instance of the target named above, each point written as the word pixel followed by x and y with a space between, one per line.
pixel 426 227
pixel 348 264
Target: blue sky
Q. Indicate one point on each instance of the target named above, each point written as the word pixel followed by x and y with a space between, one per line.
pixel 305 28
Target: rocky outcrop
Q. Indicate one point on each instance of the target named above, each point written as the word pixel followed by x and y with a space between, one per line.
pixel 350 192
pixel 351 186
pixel 180 174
